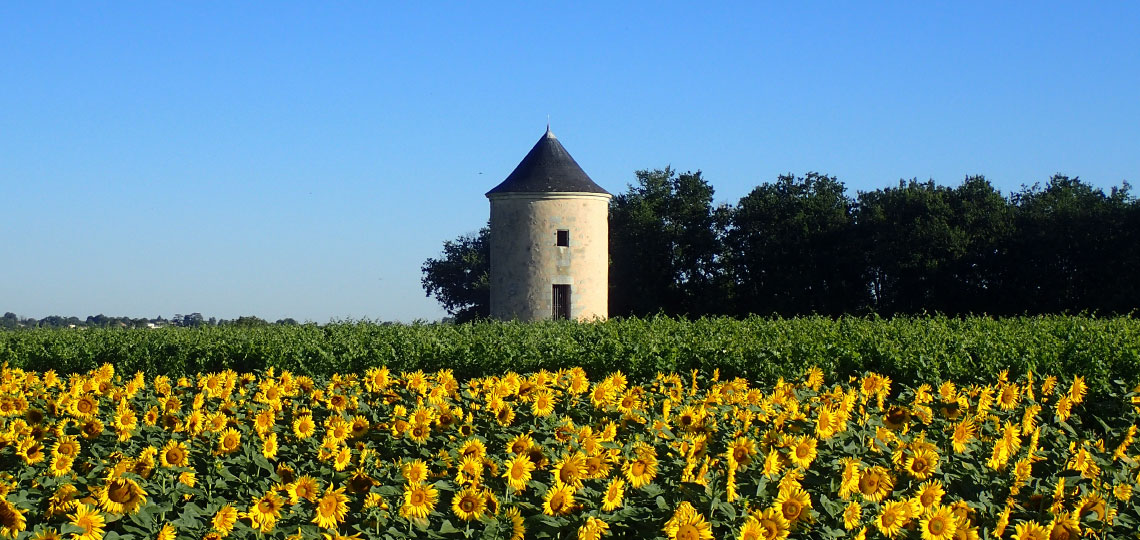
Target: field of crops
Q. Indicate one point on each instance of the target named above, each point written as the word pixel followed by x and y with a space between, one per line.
pixel 908 349
pixel 693 455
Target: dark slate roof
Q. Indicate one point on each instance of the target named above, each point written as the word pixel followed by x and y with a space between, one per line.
pixel 547 168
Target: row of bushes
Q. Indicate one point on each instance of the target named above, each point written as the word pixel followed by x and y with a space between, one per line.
pixel 907 349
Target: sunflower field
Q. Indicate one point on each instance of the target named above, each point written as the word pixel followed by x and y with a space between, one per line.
pixel 379 454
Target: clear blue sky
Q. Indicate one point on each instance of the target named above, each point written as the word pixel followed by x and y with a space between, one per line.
pixel 303 160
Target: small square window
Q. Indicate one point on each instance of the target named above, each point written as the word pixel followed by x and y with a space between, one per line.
pixel 563 237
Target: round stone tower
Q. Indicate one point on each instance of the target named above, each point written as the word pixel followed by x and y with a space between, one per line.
pixel 549 239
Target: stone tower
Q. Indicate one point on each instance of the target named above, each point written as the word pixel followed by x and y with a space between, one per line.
pixel 549 239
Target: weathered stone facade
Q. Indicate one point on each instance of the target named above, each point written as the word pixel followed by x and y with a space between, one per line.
pixel 526 260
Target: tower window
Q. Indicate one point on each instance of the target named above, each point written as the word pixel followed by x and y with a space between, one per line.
pixel 563 239
pixel 560 302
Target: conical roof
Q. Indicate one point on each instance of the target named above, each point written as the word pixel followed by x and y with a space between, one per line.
pixel 547 168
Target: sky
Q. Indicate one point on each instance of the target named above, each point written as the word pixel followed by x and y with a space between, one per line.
pixel 303 160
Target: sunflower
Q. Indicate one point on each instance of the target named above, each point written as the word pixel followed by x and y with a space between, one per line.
pixel 60 465
pixel 414 471
pixel 419 433
pixel 48 533
pixel 12 520
pixel 751 530
pixel 229 441
pixel 642 470
pixel 930 494
pixel 597 467
pixel 265 511
pixel 305 488
pixel 922 464
pixel 269 446
pixel 543 404
pixel 892 517
pixel 90 520
pixel 342 459
pixel 803 451
pixel 331 508
pixel 793 502
pixel 174 454
pixel 91 428
pixel 468 504
pixel 224 519
pixel 827 423
pixel 505 415
pixel 558 500
pixel 67 445
pixel 773 526
pixel 304 427
pixel 593 529
pixel 518 471
pixel 520 444
pixel 121 496
pixel 688 524
pixel 852 515
pixel 518 529
pixel 85 407
pixel 964 432
pixel 875 483
pixel 742 450
pixel 1064 527
pixel 570 470
pixel 615 494
pixel 166 533
pixel 1030 530
pixel 419 500
pixel 939 524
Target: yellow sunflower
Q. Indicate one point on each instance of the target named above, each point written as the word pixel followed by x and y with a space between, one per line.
pixel 742 450
pixel 304 427
pixel 414 471
pixel 174 454
pixel 90 520
pixel 773 526
pixel 570 470
pixel 304 488
pixel 922 464
pixel 643 469
pixel 1030 530
pixel 558 500
pixel 229 441
pixel 615 495
pixel 543 404
pixel 892 517
pixel 265 511
pixel 518 529
pixel 520 444
pixel 875 483
pixel 852 515
pixel 803 451
pixel 12 520
pixel 794 503
pixel 223 521
pixel 269 446
pixel 1064 527
pixel 688 524
pixel 939 524
pixel 518 472
pixel 593 529
pixel 331 508
pixel 121 496
pixel 419 500
pixel 468 504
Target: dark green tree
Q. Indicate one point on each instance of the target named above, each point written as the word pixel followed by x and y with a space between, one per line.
pixel 910 240
pixel 1075 248
pixel 791 251
pixel 666 247
pixel 460 278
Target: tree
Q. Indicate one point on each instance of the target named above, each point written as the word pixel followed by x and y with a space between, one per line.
pixel 460 279
pixel 909 239
pixel 666 246
pixel 791 251
pixel 1074 249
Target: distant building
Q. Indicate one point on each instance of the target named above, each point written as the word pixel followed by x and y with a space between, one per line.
pixel 549 239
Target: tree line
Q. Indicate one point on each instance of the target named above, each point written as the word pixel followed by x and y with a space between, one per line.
pixel 11 321
pixel 803 245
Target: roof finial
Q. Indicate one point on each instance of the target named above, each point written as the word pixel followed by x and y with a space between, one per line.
pixel 548 124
